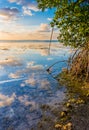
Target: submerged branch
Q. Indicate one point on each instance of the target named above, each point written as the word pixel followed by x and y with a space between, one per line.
pixel 55 64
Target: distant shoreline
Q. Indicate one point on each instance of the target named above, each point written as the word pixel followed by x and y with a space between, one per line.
pixel 4 41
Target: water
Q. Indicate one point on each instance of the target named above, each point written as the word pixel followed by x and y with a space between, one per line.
pixel 25 83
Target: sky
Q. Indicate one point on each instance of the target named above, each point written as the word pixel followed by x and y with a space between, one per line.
pixel 22 20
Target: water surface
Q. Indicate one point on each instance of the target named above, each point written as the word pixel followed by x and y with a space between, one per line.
pixel 25 83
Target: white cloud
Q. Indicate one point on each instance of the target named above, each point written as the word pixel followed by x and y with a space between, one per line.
pixel 17 1
pixel 49 58
pixel 2 71
pixel 6 100
pixel 22 85
pixel 31 63
pixel 24 100
pixel 49 19
pixel 33 7
pixel 31 81
pixel 35 80
pixel 14 76
pixel 31 66
pixel 9 13
pixel 11 62
pixel 28 6
pixel 44 28
pixel 36 67
pixel 12 1
pixel 44 52
pixel 45 84
pixel 27 11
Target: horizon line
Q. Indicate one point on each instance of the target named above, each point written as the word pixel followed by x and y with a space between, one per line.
pixel 28 40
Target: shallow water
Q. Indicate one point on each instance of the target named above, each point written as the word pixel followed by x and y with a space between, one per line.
pixel 25 83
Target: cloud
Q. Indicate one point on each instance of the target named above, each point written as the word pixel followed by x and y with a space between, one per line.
pixel 36 80
pixel 27 6
pixel 49 58
pixel 2 71
pixel 24 100
pixel 44 28
pixel 49 19
pixel 31 63
pixel 22 85
pixel 33 7
pixel 5 100
pixel 14 76
pixel 44 52
pixel 9 13
pixel 31 66
pixel 36 67
pixel 31 81
pixel 27 11
pixel 11 62
pixel 6 32
pixel 17 1
pixel 44 84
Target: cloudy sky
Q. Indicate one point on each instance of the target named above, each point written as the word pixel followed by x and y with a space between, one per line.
pixel 22 20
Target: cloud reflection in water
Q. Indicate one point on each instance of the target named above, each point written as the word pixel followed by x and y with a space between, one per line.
pixel 25 84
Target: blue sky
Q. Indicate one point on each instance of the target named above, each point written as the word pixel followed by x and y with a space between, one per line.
pixel 21 19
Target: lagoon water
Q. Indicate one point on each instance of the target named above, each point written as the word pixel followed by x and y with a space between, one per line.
pixel 25 84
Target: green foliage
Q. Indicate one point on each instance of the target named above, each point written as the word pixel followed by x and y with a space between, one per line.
pixel 72 19
pixel 75 85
